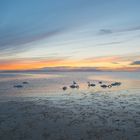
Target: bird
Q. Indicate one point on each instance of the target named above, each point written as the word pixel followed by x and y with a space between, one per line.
pixel 25 82
pixel 18 86
pixel 91 85
pixel 116 84
pixel 104 86
pixel 72 86
pixel 74 83
pixel 64 88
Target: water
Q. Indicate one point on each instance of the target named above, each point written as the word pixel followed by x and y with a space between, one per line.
pixel 44 83
pixel 111 113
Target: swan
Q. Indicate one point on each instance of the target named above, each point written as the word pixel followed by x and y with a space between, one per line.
pixel 72 86
pixel 91 85
pixel 74 83
pixel 25 82
pixel 64 88
pixel 116 84
pixel 18 86
pixel 104 86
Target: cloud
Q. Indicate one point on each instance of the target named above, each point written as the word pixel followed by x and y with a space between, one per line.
pixel 13 41
pixel 69 68
pixel 135 63
pixel 110 43
pixel 123 68
pixel 102 59
pixel 115 63
pixel 31 63
pixel 105 31
pixel 114 59
pixel 110 31
pixel 136 28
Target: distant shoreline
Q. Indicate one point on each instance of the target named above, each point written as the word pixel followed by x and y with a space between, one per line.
pixel 19 71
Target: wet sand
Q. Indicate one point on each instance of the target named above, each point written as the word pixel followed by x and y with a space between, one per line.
pixel 72 116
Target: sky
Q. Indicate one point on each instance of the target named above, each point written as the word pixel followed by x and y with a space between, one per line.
pixel 103 34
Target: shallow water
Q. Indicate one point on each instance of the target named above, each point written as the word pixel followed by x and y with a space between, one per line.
pixel 42 110
pixel 49 83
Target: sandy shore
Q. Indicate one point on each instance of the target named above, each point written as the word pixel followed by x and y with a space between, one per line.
pixel 82 116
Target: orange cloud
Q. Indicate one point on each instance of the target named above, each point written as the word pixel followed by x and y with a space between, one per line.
pixel 22 64
pixel 115 63
pixel 103 59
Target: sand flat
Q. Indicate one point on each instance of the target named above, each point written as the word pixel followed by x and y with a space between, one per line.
pixel 85 116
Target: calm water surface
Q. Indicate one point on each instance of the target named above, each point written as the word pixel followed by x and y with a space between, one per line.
pixel 44 83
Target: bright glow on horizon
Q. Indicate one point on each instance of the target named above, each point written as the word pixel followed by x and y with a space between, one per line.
pixel 77 33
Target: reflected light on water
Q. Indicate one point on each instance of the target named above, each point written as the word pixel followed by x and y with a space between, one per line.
pixel 52 83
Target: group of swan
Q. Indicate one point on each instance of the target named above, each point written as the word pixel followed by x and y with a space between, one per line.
pixel 75 85
pixel 21 85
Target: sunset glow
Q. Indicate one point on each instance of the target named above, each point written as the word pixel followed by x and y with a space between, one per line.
pixel 77 33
